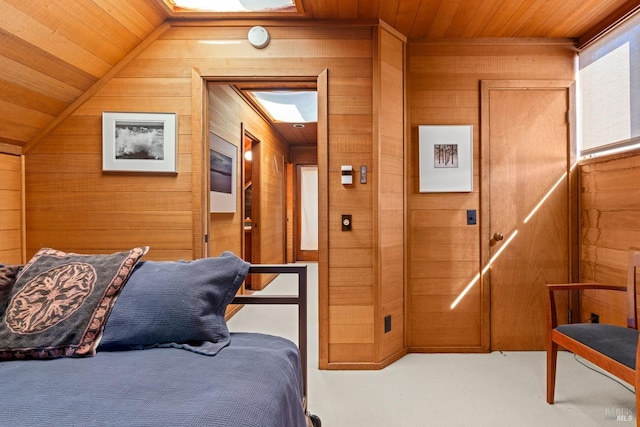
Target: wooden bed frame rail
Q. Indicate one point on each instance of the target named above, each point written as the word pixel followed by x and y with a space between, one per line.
pixel 300 300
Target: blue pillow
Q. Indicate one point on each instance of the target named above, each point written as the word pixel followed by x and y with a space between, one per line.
pixel 178 304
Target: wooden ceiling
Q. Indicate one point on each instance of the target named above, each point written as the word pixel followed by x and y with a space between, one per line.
pixel 55 53
pixel 477 18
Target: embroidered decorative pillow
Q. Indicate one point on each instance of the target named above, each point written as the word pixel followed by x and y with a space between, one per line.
pixel 8 276
pixel 60 302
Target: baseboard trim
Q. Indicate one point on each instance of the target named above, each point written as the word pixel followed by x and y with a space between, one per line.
pixel 469 349
pixel 366 366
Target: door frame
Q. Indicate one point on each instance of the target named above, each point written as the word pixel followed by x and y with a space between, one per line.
pixel 486 86
pixel 199 124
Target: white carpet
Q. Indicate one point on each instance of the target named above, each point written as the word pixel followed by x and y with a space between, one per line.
pixel 495 389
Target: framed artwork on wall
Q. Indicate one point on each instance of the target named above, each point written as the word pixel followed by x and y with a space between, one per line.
pixel 139 142
pixel 223 172
pixel 446 158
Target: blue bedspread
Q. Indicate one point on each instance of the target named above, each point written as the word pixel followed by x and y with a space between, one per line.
pixel 255 381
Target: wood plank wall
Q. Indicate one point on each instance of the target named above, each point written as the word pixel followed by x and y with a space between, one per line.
pixel 224 118
pixel 11 223
pixel 228 116
pixel 443 251
pixel 347 313
pixel 390 162
pixel 609 209
pixel 72 205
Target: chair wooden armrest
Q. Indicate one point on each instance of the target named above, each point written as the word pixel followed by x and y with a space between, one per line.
pixel 613 348
pixel 580 286
pixel 552 320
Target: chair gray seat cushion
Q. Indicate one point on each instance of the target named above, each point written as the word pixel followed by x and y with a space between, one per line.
pixel 617 342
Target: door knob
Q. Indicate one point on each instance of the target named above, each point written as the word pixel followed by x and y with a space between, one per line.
pixel 497 237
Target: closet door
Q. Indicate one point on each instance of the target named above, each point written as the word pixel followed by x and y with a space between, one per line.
pixel 527 233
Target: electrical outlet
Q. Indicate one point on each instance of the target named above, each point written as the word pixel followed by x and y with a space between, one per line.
pixel 387 324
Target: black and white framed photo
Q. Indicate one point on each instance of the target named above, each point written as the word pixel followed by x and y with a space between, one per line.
pixel 139 142
pixel 446 158
pixel 223 172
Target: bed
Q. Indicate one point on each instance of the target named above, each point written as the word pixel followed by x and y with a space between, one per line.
pixel 147 345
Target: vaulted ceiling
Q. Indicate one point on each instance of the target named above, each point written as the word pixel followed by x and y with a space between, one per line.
pixel 52 52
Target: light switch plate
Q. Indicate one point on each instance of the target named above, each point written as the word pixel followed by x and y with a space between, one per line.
pixel 471 217
pixel 363 174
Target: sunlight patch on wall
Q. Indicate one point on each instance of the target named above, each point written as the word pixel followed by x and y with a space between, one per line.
pixel 484 270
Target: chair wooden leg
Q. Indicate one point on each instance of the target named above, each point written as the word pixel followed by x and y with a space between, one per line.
pixel 552 359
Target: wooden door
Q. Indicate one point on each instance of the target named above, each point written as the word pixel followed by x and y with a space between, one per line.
pixel 527 234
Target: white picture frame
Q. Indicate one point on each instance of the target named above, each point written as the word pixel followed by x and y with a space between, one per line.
pixel 139 142
pixel 223 175
pixel 445 158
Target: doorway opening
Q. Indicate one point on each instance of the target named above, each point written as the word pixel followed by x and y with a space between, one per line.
pixel 270 224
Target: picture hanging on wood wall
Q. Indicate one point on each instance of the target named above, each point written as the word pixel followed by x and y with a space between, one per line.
pixel 223 172
pixel 139 142
pixel 446 158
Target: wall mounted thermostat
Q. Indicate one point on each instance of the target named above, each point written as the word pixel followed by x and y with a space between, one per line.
pixel 258 37
pixel 347 174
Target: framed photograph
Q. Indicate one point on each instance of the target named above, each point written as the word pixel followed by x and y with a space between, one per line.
pixel 139 142
pixel 223 173
pixel 446 158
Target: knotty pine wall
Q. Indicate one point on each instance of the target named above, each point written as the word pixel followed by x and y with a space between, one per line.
pixel 443 251
pixel 609 211
pixel 11 221
pixel 71 205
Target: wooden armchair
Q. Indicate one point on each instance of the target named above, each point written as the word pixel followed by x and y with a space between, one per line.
pixel 613 348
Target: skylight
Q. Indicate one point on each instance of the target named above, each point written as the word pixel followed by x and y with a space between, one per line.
pixel 237 5
pixel 289 106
